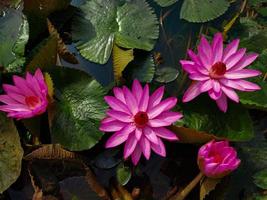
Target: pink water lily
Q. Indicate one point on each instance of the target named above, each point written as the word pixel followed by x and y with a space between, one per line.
pixel 217 159
pixel 26 98
pixel 139 120
pixel 219 71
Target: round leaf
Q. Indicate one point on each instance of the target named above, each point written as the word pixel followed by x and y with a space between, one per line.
pixel 11 153
pixel 166 74
pixel 165 3
pixel 203 115
pixel 13 38
pixel 260 179
pixel 78 113
pixel 123 174
pixel 138 26
pixel 203 10
pixel 132 25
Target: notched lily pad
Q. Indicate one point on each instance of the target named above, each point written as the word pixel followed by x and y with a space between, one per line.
pixel 14 35
pixel 124 174
pixel 166 74
pixel 11 153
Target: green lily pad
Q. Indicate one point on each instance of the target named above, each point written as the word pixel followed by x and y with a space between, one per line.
pixel 203 115
pixel 260 179
pixel 141 68
pixel 11 153
pixel 103 22
pixel 203 10
pixel 166 74
pixel 79 110
pixel 123 174
pixel 165 3
pixel 14 34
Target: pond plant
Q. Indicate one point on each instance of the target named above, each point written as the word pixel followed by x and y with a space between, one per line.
pixel 133 99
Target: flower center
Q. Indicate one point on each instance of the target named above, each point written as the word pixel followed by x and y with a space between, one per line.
pixel 217 70
pixel 32 101
pixel 218 158
pixel 141 119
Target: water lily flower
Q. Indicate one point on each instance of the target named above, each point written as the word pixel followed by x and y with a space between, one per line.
pixel 217 159
pixel 139 119
pixel 219 71
pixel 26 98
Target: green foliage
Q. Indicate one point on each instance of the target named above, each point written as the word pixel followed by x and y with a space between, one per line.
pixel 103 22
pixel 257 99
pixel 44 55
pixel 143 69
pixel 255 40
pixel 123 174
pixel 11 153
pixel 203 115
pixel 260 179
pixel 166 74
pixel 13 38
pixel 165 3
pixel 79 110
pixel 203 10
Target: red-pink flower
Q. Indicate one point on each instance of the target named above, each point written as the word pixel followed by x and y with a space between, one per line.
pixel 219 71
pixel 139 120
pixel 217 159
pixel 27 98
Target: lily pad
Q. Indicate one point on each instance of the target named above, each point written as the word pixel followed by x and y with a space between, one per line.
pixel 203 115
pixel 11 153
pixel 103 22
pixel 260 179
pixel 165 3
pixel 79 111
pixel 166 74
pixel 14 34
pixel 203 10
pixel 124 174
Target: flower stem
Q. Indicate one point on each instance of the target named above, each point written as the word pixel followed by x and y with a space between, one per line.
pixel 183 194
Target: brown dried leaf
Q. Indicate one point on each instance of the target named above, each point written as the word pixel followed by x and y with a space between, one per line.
pixel 51 151
pixel 62 49
pixel 188 135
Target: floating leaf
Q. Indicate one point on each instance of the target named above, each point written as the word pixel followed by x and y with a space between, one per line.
pixel 79 111
pixel 142 68
pixel 208 185
pixel 188 135
pixel 13 38
pixel 138 26
pixel 123 174
pixel 166 74
pixel 44 55
pixel 132 25
pixel 257 99
pixel 203 115
pixel 11 153
pixel 260 179
pixel 165 3
pixel 121 59
pixel 203 10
